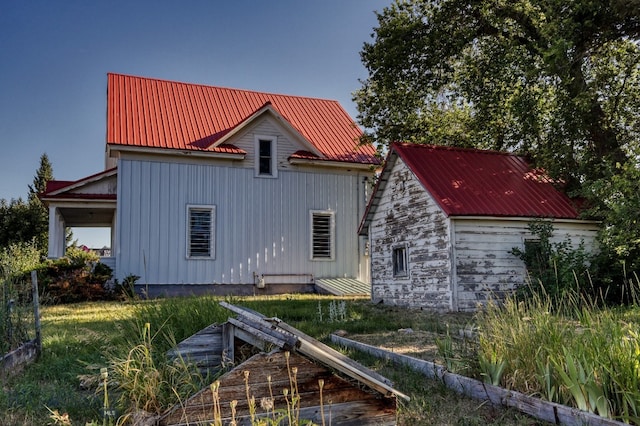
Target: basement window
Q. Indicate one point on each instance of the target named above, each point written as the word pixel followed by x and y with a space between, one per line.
pixel 201 232
pixel 322 235
pixel 400 262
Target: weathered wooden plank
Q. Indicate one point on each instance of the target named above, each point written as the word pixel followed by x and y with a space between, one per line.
pixel 13 361
pixel 258 338
pixel 344 414
pixel 263 326
pixel 319 348
pixel 367 408
pixel 536 407
pixel 228 346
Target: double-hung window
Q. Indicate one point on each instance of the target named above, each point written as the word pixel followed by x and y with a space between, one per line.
pixel 322 235
pixel 400 262
pixel 266 156
pixel 201 222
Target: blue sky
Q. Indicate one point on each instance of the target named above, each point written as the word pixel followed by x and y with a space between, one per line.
pixel 55 56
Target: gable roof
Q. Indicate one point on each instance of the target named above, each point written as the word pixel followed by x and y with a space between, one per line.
pixel 471 182
pixel 76 189
pixel 151 113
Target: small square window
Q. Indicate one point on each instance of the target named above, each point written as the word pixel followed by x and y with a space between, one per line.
pixel 400 264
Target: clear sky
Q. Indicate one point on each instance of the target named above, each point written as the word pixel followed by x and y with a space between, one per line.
pixel 55 56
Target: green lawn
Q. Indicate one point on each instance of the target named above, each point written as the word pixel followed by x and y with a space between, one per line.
pixel 79 339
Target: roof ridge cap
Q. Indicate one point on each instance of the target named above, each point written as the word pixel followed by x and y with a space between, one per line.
pixel 458 148
pixel 210 86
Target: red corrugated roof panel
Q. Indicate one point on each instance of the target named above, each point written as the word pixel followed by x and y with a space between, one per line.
pixel 144 112
pixel 469 182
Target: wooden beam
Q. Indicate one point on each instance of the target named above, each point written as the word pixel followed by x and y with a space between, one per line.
pixel 228 347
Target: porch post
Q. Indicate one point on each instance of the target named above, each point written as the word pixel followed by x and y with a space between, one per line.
pixel 56 233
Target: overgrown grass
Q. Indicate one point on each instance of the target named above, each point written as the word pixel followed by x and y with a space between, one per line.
pixel 75 339
pixel 584 355
pixel 533 344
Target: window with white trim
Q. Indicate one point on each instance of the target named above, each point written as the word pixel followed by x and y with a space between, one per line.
pixel 201 222
pixel 266 156
pixel 322 235
pixel 400 262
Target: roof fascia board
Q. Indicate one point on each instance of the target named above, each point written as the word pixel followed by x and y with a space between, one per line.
pixel 527 219
pixel 268 108
pixel 176 152
pixel 85 181
pixel 84 203
pixel 328 163
pixel 378 190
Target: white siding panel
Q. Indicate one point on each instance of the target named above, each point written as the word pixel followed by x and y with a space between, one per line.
pixel 262 225
pixel 407 215
pixel 267 127
pixel 484 267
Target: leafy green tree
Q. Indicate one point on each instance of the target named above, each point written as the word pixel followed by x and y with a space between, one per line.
pixel 552 79
pixel 557 81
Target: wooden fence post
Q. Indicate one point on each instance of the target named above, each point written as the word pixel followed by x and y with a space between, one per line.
pixel 36 310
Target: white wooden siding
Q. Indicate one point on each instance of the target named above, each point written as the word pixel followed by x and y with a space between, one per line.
pixel 406 214
pixel 286 145
pixel 484 267
pixel 262 225
pixel 443 275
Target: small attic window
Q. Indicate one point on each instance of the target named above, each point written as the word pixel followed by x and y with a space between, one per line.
pixel 266 156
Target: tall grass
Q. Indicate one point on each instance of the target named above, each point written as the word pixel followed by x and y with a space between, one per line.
pixel 572 351
pixel 16 309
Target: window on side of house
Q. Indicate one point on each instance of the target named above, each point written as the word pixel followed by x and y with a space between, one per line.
pixel 201 232
pixel 266 156
pixel 322 235
pixel 400 262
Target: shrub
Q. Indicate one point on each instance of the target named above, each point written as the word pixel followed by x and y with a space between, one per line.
pixel 77 277
pixel 554 268
pixel 18 258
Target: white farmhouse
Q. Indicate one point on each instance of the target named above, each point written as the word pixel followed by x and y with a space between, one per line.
pixel 217 190
pixel 442 221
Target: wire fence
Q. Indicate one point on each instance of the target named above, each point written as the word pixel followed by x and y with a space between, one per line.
pixel 19 319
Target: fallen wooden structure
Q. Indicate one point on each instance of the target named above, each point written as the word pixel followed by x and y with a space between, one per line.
pixel 291 374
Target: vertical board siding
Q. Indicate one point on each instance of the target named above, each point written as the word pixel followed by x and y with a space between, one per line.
pixel 486 269
pixel 262 225
pixel 406 215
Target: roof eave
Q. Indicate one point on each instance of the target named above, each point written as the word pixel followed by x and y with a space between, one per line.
pixel 112 148
pixel 377 193
pixel 330 163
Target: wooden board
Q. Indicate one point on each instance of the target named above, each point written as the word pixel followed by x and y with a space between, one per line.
pixel 346 402
pixel 535 407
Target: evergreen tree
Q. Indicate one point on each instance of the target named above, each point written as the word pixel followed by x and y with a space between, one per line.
pixel 22 221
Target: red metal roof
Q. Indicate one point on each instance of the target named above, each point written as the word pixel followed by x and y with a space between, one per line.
pixel 61 188
pixel 470 182
pixel 151 113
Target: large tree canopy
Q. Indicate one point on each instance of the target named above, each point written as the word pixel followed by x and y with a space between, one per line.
pixel 557 80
